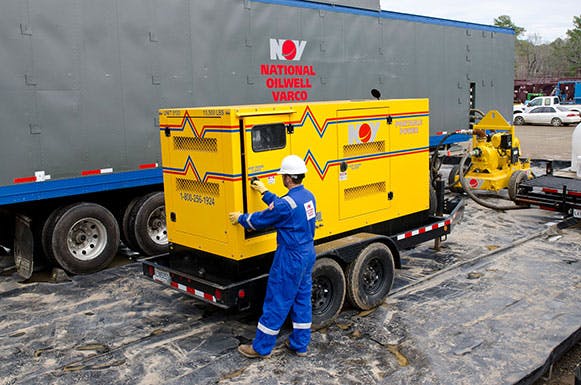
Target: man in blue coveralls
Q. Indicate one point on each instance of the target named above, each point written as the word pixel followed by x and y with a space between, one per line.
pixel 289 281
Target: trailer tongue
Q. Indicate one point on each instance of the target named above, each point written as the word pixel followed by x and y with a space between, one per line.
pixel 551 192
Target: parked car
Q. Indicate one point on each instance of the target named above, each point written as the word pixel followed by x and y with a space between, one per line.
pixel 553 115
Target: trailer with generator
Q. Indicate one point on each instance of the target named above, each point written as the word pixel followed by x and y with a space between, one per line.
pixel 81 82
pixel 368 167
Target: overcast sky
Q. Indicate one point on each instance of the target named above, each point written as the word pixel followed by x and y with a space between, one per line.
pixel 548 20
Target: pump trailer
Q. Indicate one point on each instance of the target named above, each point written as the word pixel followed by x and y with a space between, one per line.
pixel 367 167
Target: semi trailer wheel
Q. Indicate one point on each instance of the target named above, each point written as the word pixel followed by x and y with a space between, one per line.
pixel 46 236
pixel 126 234
pixel 83 237
pixel 370 276
pixel 145 225
pixel 328 292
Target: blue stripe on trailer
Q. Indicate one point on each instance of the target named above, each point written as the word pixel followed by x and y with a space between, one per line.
pixel 36 191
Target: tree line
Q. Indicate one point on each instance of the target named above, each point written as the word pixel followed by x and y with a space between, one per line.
pixel 534 60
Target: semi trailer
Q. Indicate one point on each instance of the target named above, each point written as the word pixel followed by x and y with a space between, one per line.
pixel 82 81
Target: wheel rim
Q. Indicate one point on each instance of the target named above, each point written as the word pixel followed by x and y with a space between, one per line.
pixel 156 226
pixel 322 295
pixel 372 276
pixel 87 239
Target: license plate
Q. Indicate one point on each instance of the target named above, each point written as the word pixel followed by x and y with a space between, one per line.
pixel 577 213
pixel 161 276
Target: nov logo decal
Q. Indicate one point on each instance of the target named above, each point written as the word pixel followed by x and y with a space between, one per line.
pixel 289 50
pixel 363 133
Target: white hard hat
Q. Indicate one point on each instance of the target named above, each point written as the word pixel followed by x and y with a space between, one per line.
pixel 292 165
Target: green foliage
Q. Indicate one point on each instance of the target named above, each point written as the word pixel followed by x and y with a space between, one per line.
pixel 560 58
pixel 572 47
pixel 504 21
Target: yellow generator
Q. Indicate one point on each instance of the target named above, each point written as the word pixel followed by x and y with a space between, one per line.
pixel 367 167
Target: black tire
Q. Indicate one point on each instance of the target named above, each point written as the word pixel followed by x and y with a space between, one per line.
pixel 84 237
pixel 46 236
pixel 452 179
pixel 515 180
pixel 147 226
pixel 519 121
pixel 556 122
pixel 370 276
pixel 328 292
pixel 127 236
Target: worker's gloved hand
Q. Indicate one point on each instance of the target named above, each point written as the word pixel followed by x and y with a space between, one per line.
pixel 258 186
pixel 234 217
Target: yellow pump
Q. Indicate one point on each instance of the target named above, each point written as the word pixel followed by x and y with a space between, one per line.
pixel 495 158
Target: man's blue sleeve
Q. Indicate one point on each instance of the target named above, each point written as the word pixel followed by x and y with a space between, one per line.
pixel 268 197
pixel 277 211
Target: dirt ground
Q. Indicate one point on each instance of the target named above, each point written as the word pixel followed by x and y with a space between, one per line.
pixel 546 142
pixel 487 308
pixel 510 295
pixel 563 372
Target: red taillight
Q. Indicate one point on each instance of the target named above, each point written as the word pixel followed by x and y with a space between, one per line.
pixel 241 293
pixel 218 294
pixel 151 271
pixel 572 115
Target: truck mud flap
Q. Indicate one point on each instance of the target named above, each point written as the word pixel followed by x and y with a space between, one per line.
pixel 436 227
pixel 235 294
pixel 23 247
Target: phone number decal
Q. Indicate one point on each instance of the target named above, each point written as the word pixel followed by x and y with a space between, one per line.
pixel 195 198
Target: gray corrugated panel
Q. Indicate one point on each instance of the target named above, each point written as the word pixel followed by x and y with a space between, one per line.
pixel 19 149
pixel 92 75
pixel 101 130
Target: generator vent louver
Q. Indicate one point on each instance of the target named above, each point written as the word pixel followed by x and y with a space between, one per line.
pixel 186 143
pixel 363 148
pixel 196 187
pixel 364 190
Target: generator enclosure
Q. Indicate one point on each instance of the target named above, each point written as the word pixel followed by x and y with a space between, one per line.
pixel 367 164
pixel 81 81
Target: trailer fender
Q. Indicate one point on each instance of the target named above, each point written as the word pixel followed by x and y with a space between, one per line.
pixel 346 249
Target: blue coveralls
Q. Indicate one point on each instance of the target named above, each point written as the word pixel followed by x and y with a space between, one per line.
pixel 289 281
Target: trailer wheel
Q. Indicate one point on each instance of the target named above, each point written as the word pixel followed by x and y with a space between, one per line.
pixel 370 276
pixel 453 179
pixel 515 180
pixel 126 234
pixel 328 292
pixel 46 236
pixel 147 227
pixel 84 237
